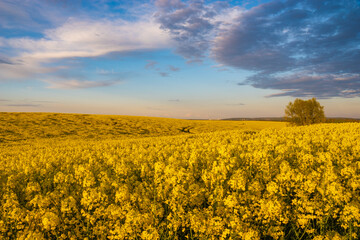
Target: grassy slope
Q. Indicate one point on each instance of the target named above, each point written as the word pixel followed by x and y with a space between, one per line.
pixel 26 126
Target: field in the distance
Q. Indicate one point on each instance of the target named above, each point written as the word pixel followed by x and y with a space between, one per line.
pixel 73 176
pixel 26 126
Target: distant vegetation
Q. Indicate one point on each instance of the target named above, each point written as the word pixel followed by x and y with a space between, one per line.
pixel 304 112
pixel 341 120
pixel 281 119
pixel 275 119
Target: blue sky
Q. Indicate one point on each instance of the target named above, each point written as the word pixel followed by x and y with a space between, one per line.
pixel 182 59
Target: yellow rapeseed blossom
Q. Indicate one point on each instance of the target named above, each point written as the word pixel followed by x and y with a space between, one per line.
pixel 288 183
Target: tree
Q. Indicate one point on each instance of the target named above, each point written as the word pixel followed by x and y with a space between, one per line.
pixel 303 112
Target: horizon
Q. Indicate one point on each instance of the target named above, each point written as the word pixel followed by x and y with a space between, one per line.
pixel 262 118
pixel 187 59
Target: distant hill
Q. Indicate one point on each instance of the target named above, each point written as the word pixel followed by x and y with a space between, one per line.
pixel 25 126
pixel 276 119
pixel 280 119
pixel 341 120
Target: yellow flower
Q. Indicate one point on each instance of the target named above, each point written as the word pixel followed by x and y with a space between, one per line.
pixel 50 221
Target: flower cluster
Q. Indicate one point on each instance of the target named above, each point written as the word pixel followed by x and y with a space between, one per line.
pixel 292 183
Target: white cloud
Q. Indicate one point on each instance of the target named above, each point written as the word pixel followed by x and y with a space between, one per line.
pixel 76 84
pixel 227 17
pixel 22 69
pixel 90 38
pixel 78 38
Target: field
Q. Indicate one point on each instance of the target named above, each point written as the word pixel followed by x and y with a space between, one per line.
pixel 15 127
pixel 68 176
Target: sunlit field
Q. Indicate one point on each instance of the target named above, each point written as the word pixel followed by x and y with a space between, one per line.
pixel 72 176
pixel 15 127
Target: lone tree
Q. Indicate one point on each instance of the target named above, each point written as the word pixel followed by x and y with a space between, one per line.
pixel 303 112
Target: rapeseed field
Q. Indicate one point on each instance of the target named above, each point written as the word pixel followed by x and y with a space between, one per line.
pixel 16 127
pixel 75 177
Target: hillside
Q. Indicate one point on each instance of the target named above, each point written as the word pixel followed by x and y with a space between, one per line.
pixel 26 126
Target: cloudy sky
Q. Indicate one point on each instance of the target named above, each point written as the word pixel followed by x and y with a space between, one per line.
pixel 182 59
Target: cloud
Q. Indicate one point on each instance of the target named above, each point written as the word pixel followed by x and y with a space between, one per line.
pixel 77 38
pixel 174 100
pixel 301 48
pixel 105 72
pixel 169 4
pixel 220 68
pixel 190 25
pixel 151 64
pixel 92 38
pixel 307 85
pixel 164 74
pixel 35 15
pixel 23 69
pixel 174 69
pixel 23 105
pixel 4 60
pixel 77 84
pixel 12 15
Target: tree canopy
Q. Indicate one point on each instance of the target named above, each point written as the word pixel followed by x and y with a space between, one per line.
pixel 304 112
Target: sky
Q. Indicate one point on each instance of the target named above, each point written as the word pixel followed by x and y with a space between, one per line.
pixel 187 59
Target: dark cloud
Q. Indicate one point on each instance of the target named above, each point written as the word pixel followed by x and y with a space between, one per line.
pixel 174 69
pixel 151 64
pixel 5 61
pixel 190 24
pixel 164 74
pixel 304 48
pixel 307 85
pixel 174 100
pixel 169 4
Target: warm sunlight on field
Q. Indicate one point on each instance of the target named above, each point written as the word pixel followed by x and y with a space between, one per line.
pixel 72 177
pixel 24 126
pixel 254 131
